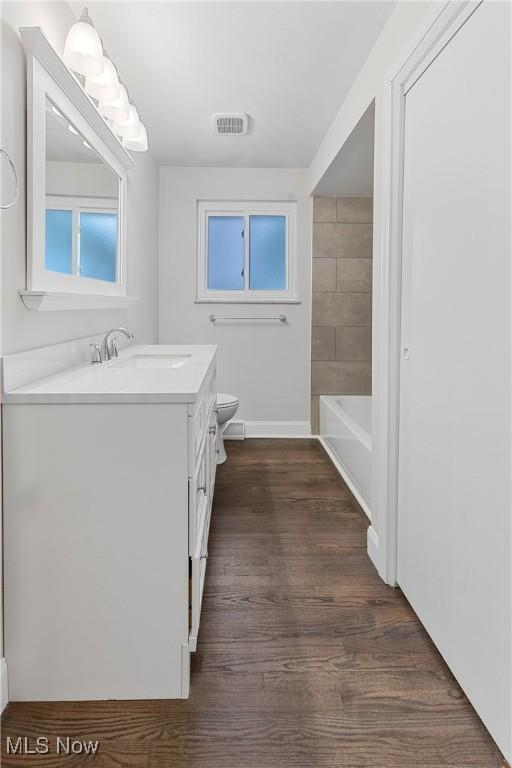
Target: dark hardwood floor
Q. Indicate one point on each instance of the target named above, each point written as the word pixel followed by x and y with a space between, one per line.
pixel 305 657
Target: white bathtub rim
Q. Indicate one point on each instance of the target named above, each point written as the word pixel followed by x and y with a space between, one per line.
pixel 363 503
pixel 363 436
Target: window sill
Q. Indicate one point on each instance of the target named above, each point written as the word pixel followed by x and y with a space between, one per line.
pixel 247 301
pixel 48 301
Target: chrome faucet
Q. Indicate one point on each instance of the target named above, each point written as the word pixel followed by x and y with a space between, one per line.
pixel 109 344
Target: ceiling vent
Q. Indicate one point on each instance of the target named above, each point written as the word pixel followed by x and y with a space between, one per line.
pixel 235 124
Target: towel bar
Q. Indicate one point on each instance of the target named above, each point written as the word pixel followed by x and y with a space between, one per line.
pixel 281 318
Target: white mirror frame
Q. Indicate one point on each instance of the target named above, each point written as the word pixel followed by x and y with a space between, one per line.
pixel 48 77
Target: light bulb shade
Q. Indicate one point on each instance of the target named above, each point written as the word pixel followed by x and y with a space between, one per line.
pixel 116 109
pixel 130 128
pixel 83 51
pixel 139 143
pixel 104 87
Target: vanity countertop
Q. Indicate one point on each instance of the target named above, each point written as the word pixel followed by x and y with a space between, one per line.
pixel 141 374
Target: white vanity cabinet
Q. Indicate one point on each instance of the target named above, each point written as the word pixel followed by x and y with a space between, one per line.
pixel 202 438
pixel 108 503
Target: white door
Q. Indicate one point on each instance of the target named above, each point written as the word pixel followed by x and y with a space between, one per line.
pixel 454 519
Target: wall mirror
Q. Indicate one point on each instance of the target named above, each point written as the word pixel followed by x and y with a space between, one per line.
pixel 82 204
pixel 77 180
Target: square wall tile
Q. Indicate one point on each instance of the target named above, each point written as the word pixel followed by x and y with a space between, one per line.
pixel 342 309
pixel 343 241
pixel 354 209
pixel 324 274
pixel 353 275
pixel 334 378
pixel 324 209
pixel 323 343
pixel 353 344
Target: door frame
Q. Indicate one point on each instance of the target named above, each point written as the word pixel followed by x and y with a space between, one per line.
pixel 438 27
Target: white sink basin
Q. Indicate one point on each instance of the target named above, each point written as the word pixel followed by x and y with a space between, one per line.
pixel 153 361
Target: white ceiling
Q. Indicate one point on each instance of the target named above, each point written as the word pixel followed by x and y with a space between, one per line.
pixel 289 65
pixel 351 171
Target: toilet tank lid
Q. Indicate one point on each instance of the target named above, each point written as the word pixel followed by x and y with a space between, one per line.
pixel 223 399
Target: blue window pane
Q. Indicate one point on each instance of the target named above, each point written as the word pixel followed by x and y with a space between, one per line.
pixel 98 245
pixel 225 253
pixel 267 253
pixel 58 254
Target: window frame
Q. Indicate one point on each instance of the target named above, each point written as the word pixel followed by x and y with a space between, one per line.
pixel 245 209
pixel 78 205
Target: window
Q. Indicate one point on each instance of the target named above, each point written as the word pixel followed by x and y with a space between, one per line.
pixel 246 252
pixel 81 237
pixel 59 241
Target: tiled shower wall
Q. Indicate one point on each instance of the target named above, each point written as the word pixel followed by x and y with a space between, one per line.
pixel 342 298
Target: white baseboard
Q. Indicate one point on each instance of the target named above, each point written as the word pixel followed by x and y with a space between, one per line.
pixel 372 546
pixel 234 430
pixel 277 429
pixel 4 684
pixel 346 476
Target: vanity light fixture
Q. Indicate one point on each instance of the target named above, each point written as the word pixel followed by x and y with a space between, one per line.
pixel 139 143
pixel 116 109
pixel 84 54
pixel 105 86
pixel 83 51
pixel 129 128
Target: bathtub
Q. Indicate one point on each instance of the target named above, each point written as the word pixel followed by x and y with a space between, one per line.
pixel 346 434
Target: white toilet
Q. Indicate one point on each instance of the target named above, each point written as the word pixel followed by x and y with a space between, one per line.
pixel 227 406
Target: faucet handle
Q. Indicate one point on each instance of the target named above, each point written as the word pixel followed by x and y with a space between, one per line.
pixel 113 349
pixel 96 355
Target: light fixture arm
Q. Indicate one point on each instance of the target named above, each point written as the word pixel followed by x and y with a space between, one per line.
pixel 85 18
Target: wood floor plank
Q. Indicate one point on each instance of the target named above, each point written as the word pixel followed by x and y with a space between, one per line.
pixel 305 658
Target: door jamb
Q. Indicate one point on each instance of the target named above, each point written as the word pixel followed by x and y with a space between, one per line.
pixel 434 33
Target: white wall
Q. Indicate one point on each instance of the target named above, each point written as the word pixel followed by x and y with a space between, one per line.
pixel 351 172
pixel 265 364
pixel 20 328
pixel 369 86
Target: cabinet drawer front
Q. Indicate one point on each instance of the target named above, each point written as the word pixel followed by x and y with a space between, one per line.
pixel 198 426
pixel 200 417
pixel 201 484
pixel 212 451
pixel 198 499
pixel 198 576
